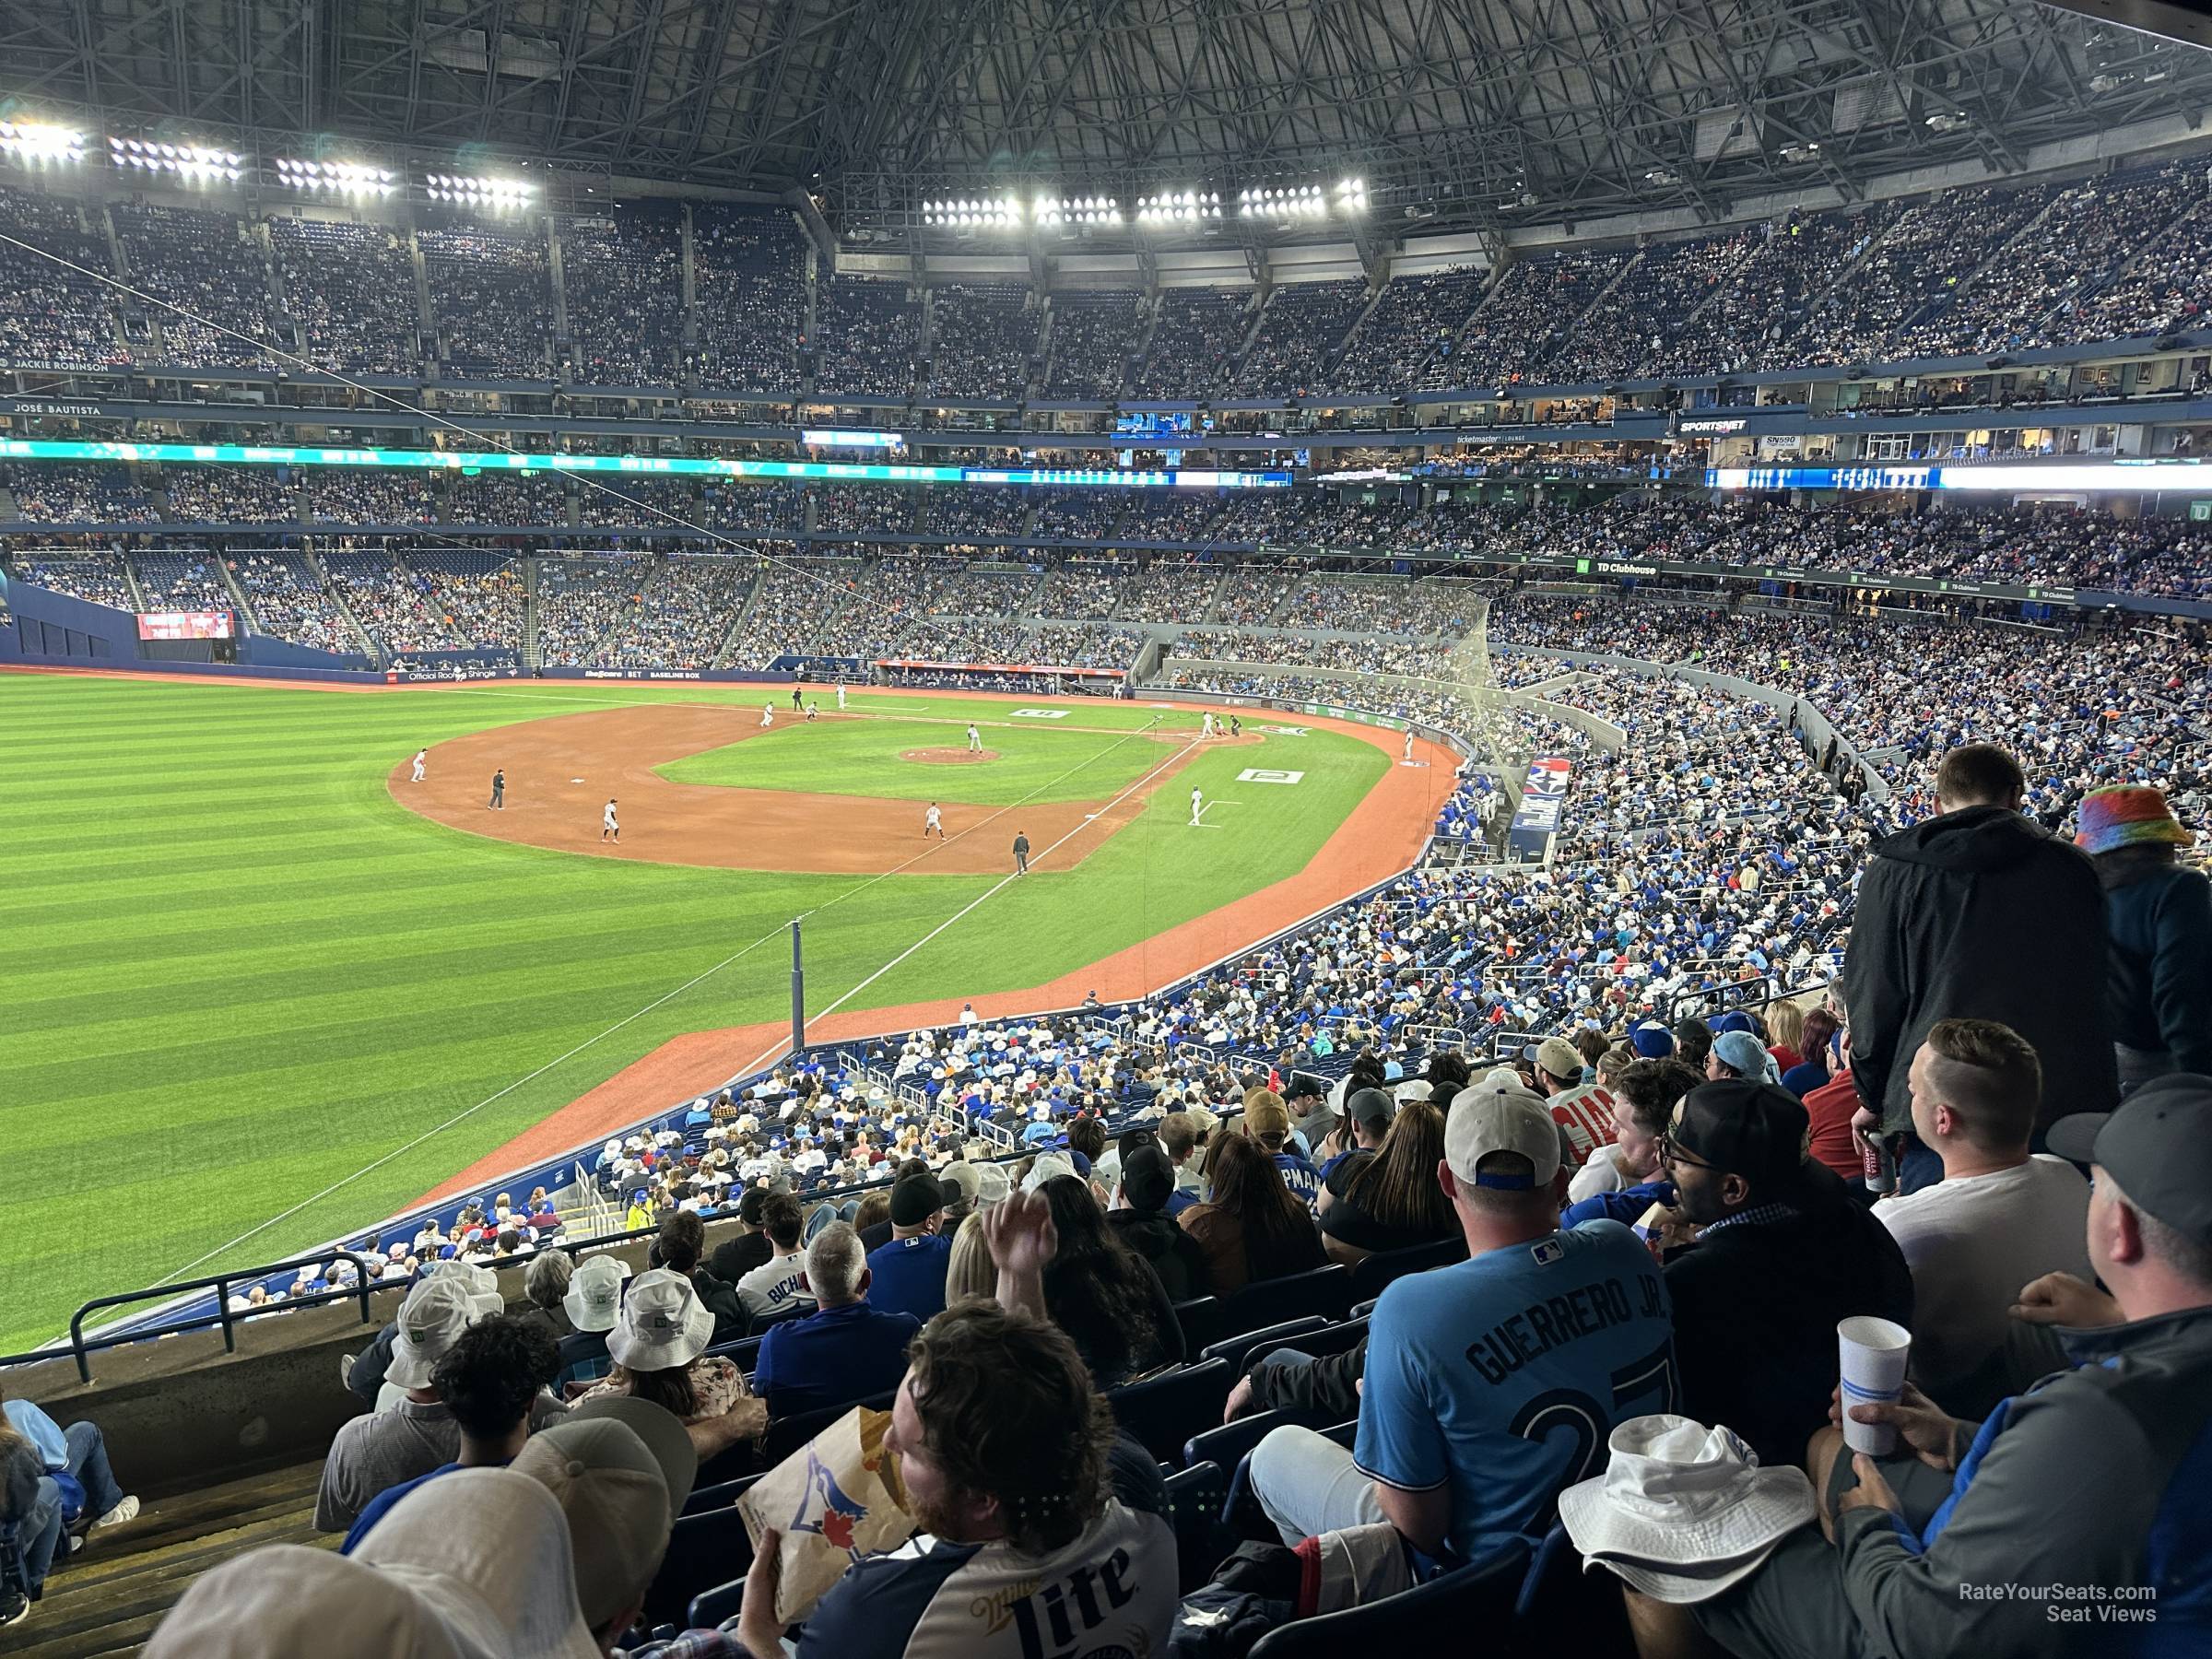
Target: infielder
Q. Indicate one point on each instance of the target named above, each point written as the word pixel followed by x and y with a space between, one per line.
pixel 811 712
pixel 768 714
pixel 420 756
pixel 498 791
pixel 933 823
pixel 608 828
pixel 1198 807
pixel 975 739
pixel 1408 757
pixel 840 697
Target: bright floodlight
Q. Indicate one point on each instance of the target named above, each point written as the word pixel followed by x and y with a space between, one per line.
pixel 41 141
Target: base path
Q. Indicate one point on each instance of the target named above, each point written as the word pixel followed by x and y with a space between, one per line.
pixel 1381 835
pixel 561 771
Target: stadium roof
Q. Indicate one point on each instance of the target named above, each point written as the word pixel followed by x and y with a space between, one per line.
pixel 1479 112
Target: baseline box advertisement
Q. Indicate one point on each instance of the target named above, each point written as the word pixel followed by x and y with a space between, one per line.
pixel 184 625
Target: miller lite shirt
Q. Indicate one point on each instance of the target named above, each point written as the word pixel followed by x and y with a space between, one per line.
pixel 1109 1595
pixel 1502 1377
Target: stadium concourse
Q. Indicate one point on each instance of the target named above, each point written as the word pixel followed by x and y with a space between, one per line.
pixel 1710 1153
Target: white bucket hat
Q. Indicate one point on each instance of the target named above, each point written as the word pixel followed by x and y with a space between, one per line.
pixel 663 1324
pixel 430 1321
pixel 1683 1511
pixel 1050 1166
pixel 594 1298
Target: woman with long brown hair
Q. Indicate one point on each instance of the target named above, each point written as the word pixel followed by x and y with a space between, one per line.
pixel 1392 1200
pixel 1250 1226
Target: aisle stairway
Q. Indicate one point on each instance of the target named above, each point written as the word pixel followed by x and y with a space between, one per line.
pixel 108 1598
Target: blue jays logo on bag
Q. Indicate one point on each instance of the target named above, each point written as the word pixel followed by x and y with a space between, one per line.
pixel 825 1510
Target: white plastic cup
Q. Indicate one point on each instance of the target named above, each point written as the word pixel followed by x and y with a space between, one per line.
pixel 1873 1352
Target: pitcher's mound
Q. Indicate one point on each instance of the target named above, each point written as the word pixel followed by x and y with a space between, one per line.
pixel 949 757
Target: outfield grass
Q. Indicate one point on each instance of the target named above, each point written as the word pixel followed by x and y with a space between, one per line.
pixel 1034 761
pixel 238 972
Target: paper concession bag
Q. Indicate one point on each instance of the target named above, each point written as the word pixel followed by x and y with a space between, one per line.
pixel 835 1501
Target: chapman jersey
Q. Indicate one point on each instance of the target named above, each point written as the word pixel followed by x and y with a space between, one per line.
pixel 1300 1177
pixel 1503 1377
pixel 1109 1595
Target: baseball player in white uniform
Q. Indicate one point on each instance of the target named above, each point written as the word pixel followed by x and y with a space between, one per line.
pixel 420 756
pixel 975 739
pixel 840 697
pixel 811 712
pixel 1198 807
pixel 1206 730
pixel 768 716
pixel 608 828
pixel 1408 757
pixel 933 823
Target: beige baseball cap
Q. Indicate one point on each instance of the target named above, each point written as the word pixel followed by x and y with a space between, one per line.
pixel 610 1488
pixel 1491 1117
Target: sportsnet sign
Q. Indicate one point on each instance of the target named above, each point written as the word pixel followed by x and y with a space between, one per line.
pixel 1537 821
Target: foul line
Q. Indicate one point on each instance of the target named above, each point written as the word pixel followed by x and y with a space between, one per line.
pixel 343 1183
pixel 990 892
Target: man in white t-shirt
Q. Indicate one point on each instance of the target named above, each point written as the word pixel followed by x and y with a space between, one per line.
pixel 781 1280
pixel 1998 1219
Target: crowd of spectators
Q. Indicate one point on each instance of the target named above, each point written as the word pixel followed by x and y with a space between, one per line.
pixel 581 603
pixel 69 494
pixel 93 575
pixel 1407 338
pixel 679 618
pixel 1792 262
pixel 853 509
pixel 1531 310
pixel 479 596
pixel 508 497
pixel 1196 333
pixel 750 297
pixel 776 506
pixel 50 315
pixel 181 579
pixel 1299 331
pixel 1250 593
pixel 868 335
pixel 982 340
pixel 1094 339
pixel 1084 646
pixel 1082 589
pixel 1920 261
pixel 793 601
pixel 629 501
pixel 209 266
pixel 1076 514
pixel 229 495
pixel 1169 516
pixel 974 514
pixel 391 602
pixel 350 289
pixel 491 295
pixel 1654 297
pixel 1170 589
pixel 288 602
pixel 2035 294
pixel 623 278
pixel 339 495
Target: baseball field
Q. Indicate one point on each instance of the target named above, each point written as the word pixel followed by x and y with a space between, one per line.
pixel 259 987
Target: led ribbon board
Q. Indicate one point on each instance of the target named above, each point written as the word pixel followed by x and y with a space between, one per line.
pixel 500 461
pixel 2115 476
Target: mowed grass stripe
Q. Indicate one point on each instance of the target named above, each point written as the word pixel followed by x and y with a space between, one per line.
pixel 238 971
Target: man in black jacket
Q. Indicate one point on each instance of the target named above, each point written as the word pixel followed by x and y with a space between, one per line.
pixel 1977 913
pixel 1140 1220
pixel 1782 1253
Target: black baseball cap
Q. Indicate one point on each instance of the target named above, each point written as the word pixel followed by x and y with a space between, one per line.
pixel 1301 1083
pixel 1371 1106
pixel 1747 1128
pixel 915 1199
pixel 1148 1179
pixel 2157 1147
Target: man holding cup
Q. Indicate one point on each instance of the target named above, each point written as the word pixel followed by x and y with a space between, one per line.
pixel 2074 1519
